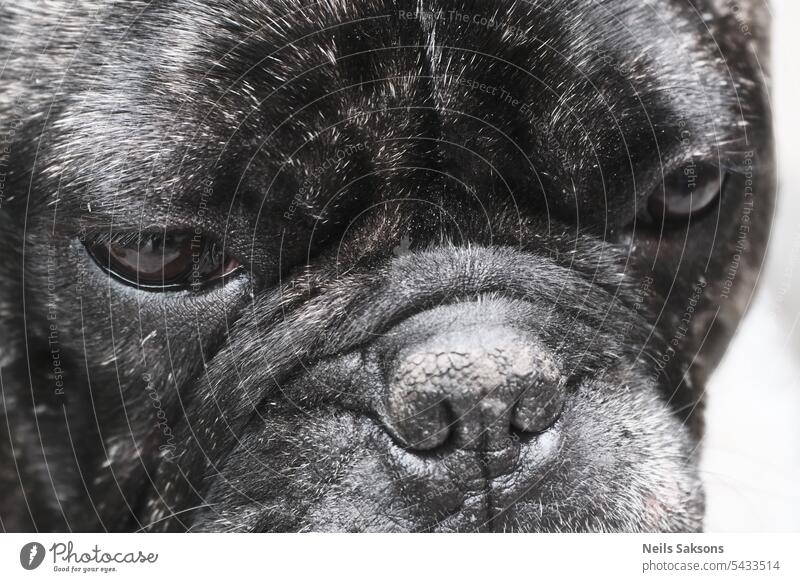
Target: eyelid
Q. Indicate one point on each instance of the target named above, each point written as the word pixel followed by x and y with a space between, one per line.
pixel 123 237
pixel 98 244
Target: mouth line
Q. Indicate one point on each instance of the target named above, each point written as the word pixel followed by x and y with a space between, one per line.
pixel 494 505
pixel 485 511
pixel 487 497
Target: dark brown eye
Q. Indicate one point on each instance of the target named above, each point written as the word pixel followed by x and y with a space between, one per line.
pixel 163 261
pixel 686 193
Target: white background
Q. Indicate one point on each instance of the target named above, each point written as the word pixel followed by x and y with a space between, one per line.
pixel 751 460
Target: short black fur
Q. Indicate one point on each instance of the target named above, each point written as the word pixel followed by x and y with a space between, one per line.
pixel 368 161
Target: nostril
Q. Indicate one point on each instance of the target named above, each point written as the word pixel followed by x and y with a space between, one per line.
pixel 542 402
pixel 538 412
pixel 418 418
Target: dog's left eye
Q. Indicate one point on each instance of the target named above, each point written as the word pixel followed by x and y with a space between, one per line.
pixel 686 193
pixel 163 261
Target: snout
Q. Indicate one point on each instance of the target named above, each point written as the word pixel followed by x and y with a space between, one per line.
pixel 457 397
pixel 465 377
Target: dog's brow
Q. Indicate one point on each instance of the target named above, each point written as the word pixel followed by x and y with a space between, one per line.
pixel 145 158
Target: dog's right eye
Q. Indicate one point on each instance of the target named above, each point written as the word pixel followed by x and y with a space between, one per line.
pixel 163 261
pixel 685 194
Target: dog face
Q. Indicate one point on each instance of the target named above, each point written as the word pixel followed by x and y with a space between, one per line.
pixel 369 266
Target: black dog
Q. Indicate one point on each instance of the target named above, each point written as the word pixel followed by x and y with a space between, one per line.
pixel 361 265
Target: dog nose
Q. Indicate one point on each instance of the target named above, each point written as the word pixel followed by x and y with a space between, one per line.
pixel 474 387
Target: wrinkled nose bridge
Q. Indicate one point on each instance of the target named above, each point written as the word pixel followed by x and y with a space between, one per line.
pixel 473 385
